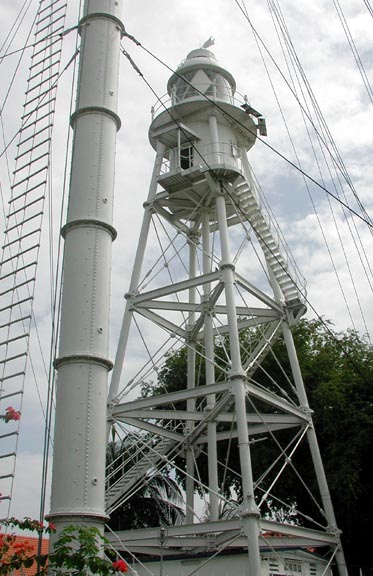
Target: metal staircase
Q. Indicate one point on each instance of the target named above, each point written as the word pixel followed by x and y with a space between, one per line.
pixel 272 242
pixel 132 473
pixel 23 226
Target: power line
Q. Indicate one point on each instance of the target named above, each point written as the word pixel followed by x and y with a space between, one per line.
pixel 282 156
pixel 301 292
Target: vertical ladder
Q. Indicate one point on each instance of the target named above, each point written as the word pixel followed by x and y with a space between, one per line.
pixel 19 255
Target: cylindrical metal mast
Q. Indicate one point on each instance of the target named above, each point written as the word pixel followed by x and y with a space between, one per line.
pixel 78 481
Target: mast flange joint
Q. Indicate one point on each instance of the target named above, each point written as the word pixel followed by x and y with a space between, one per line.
pixel 102 16
pixel 83 358
pixel 89 223
pixel 94 110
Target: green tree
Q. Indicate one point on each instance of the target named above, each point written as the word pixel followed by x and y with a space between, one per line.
pixel 338 373
pixel 157 502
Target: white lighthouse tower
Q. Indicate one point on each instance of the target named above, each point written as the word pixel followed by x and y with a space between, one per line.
pixel 213 282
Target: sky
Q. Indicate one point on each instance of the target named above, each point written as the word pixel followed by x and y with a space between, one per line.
pixel 169 31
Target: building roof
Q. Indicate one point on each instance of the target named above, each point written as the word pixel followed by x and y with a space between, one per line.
pixel 32 542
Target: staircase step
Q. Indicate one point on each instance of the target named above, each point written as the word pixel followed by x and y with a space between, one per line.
pixel 269 237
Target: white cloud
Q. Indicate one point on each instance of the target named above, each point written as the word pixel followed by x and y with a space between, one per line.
pixel 170 32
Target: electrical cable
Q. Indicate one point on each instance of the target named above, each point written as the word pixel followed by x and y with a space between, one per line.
pixel 302 293
pixel 337 160
pixel 365 219
pixel 279 18
pixel 354 49
pixel 14 30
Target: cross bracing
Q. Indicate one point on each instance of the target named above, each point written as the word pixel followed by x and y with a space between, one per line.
pixel 214 286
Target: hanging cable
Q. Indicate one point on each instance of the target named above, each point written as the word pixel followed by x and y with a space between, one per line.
pixel 354 50
pixel 13 31
pixel 278 17
pixel 302 293
pixel 337 160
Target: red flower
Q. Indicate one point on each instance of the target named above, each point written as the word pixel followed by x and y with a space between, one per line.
pixel 120 566
pixel 11 414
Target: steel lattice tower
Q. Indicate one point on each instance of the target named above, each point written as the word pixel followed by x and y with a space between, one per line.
pixel 211 224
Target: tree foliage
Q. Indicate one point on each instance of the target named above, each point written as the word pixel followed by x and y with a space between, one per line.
pixel 337 369
pixel 77 550
pixel 157 502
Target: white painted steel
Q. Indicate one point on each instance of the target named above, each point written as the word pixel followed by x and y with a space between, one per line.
pixel 210 374
pixel 83 364
pixel 202 186
pixel 123 337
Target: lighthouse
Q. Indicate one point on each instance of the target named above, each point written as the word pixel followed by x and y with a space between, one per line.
pixel 194 282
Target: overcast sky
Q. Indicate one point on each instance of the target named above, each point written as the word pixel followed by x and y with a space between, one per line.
pixel 170 31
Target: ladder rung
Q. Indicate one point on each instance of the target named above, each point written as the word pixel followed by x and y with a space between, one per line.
pixel 47 57
pixel 39 119
pixel 2 497
pixel 38 97
pixel 21 237
pixel 20 254
pixel 49 15
pixel 50 26
pixel 29 177
pixel 55 40
pixel 28 191
pixel 13 272
pixel 42 71
pixel 14 304
pixel 47 7
pixel 26 206
pixel 11 358
pixel 16 287
pixel 11 394
pixel 3 476
pixel 10 340
pixel 33 147
pixel 32 161
pixel 14 433
pixel 23 222
pixel 7 455
pixel 48 79
pixel 11 322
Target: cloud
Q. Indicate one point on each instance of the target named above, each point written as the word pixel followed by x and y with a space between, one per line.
pixel 170 33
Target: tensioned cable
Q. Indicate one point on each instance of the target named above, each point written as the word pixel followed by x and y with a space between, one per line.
pixel 337 160
pixel 275 440
pixel 369 7
pixel 281 449
pixel 58 35
pixel 296 511
pixel 2 106
pixel 345 352
pixel 234 202
pixel 127 550
pixel 365 219
pixel 287 460
pixel 56 308
pixel 29 114
pixel 141 444
pixel 14 30
pixel 354 49
pixel 32 313
pixel 326 327
pixel 273 12
pixel 147 278
pixel 166 263
pixel 135 381
pixel 282 24
pixel 277 15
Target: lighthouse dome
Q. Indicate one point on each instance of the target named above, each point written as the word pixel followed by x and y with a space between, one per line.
pixel 201 75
